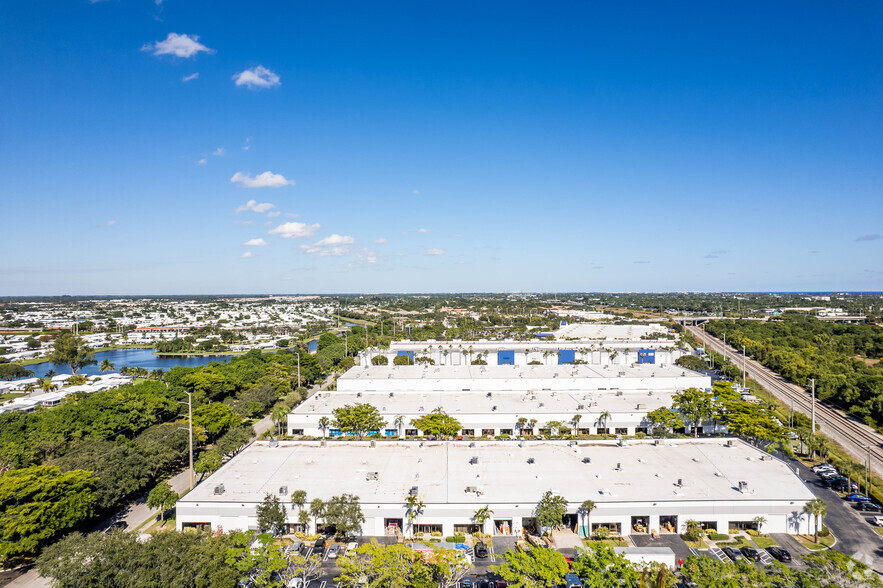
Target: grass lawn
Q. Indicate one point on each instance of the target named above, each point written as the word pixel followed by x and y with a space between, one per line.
pixel 764 542
pixel 157 525
pixel 10 396
pixel 701 544
pixel 824 542
pixel 614 542
pixel 879 530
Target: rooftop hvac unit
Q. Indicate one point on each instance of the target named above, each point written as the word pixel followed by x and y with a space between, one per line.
pixel 587 460
pixel 621 374
pixel 472 444
pixel 581 407
pixel 641 407
pixel 680 482
pixel 274 443
pixel 358 394
pixel 472 489
pixel 531 460
pixel 619 392
pixel 489 394
pixel 618 466
pixel 657 442
pixel 391 394
pixel 412 491
pixel 743 487
pixel 372 444
pixel 219 489
pixel 730 443
pixel 372 476
pixel 474 460
pixel 494 407
pixel 283 490
pixel 322 443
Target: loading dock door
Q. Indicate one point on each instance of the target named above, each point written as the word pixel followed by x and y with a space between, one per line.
pixel 506 357
pixel 566 356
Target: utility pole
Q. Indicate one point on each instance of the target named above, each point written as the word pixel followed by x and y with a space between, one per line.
pixel 813 384
pixel 743 366
pixel 190 419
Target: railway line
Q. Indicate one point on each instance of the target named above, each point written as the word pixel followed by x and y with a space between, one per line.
pixel 852 435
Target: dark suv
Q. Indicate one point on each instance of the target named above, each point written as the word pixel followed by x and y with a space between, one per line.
pixel 779 553
pixel 480 550
pixel 751 553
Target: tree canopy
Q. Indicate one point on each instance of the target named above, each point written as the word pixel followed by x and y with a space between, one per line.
pixel 358 418
pixel 437 423
pixel 538 567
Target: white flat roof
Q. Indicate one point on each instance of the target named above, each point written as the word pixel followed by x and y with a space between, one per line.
pixel 606 331
pixel 512 372
pixel 442 472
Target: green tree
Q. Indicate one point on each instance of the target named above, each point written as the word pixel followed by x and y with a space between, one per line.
pixel 271 513
pixel 215 418
pixel 691 362
pixel 279 415
pixel 695 406
pixel 208 462
pixel 358 419
pixel 603 419
pixel 413 509
pixel 550 510
pixel 586 508
pixel 72 351
pixel 163 497
pixel 106 366
pixel 260 562
pixel 234 440
pixel 372 565
pixel 380 360
pixel 663 420
pixel 305 568
pixel 40 502
pixel 818 509
pixel 317 509
pixel 481 516
pixel 437 423
pixel 344 513
pixel 533 568
pixel 324 422
pixel 599 567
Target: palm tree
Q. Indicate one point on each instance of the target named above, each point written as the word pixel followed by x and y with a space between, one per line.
pixel 759 520
pixel 51 374
pixel 575 422
pixel 586 508
pixel 533 423
pixel 520 424
pixel 413 509
pixel 480 516
pixel 601 423
pixel 323 424
pixel 317 509
pixel 399 421
pixel 47 385
pixel 279 414
pixel 106 366
pixel 818 509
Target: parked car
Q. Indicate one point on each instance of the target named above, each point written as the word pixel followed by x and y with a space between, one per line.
pixel 779 553
pixel 484 584
pixel 350 546
pixel 822 467
pixel 295 547
pixel 868 506
pixel 751 553
pixel 857 498
pixel 333 552
pixel 844 486
pixel 733 554
pixel 572 581
pixel 466 583
pixel 319 545
pixel 878 520
pixel 480 550
pixel 117 525
pixel 294 583
pixel 501 584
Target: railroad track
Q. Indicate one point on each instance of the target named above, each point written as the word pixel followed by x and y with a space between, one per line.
pixel 849 433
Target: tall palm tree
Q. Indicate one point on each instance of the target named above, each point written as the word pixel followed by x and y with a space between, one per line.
pixel 520 424
pixel 51 374
pixel 586 508
pixel 399 421
pixel 818 509
pixel 481 516
pixel 760 520
pixel 413 509
pixel 575 422
pixel 279 414
pixel 323 424
pixel 603 418
pixel 106 366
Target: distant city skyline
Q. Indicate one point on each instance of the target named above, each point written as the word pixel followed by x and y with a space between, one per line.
pixel 168 147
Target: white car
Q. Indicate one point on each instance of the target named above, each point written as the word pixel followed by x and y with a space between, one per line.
pixel 878 520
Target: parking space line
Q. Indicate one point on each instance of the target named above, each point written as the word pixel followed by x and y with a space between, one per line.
pixel 322 585
pixel 718 553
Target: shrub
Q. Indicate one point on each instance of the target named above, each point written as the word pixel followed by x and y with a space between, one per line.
pixel 640 435
pixel 824 531
pixel 436 533
pixel 718 537
pixel 752 532
pixel 692 534
pixel 456 539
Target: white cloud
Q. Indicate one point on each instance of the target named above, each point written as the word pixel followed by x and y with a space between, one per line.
pixel 435 252
pixel 246 255
pixel 415 192
pixel 202 161
pixel 457 235
pixel 259 242
pixel 190 78
pixel 274 213
pixel 178 45
pixel 257 77
pixel 218 152
pixel 381 240
pixel 334 240
pixel 255 206
pixel 247 223
pixel 294 230
pixel 109 223
pixel 367 256
pixel 265 180
pixel 424 231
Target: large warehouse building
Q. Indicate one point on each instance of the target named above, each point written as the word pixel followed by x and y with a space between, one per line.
pixel 638 486
pixel 518 378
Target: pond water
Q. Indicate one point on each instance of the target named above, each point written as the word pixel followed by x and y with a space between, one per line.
pixel 128 357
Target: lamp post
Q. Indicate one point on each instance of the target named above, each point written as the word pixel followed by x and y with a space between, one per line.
pixel 868 470
pixel 813 404
pixel 189 430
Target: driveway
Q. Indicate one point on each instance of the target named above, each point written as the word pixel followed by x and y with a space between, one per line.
pixel 670 540
pixel 855 536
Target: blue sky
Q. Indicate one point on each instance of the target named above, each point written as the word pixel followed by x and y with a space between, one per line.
pixel 450 146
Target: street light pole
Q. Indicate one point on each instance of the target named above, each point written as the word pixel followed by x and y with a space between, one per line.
pixel 743 366
pixel 813 384
pixel 190 430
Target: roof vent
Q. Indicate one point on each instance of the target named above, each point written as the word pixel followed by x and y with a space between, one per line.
pixel 322 443
pixel 743 487
pixel 531 460
pixel 730 443
pixel 412 491
pixel 391 394
pixel 372 444
pixel 372 476
pixel 474 460
pixel 219 489
pixel 618 466
pixel 283 490
pixel 358 394
pixel 494 407
pixel 587 460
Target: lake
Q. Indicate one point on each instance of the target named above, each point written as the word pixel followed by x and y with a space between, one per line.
pixel 128 357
